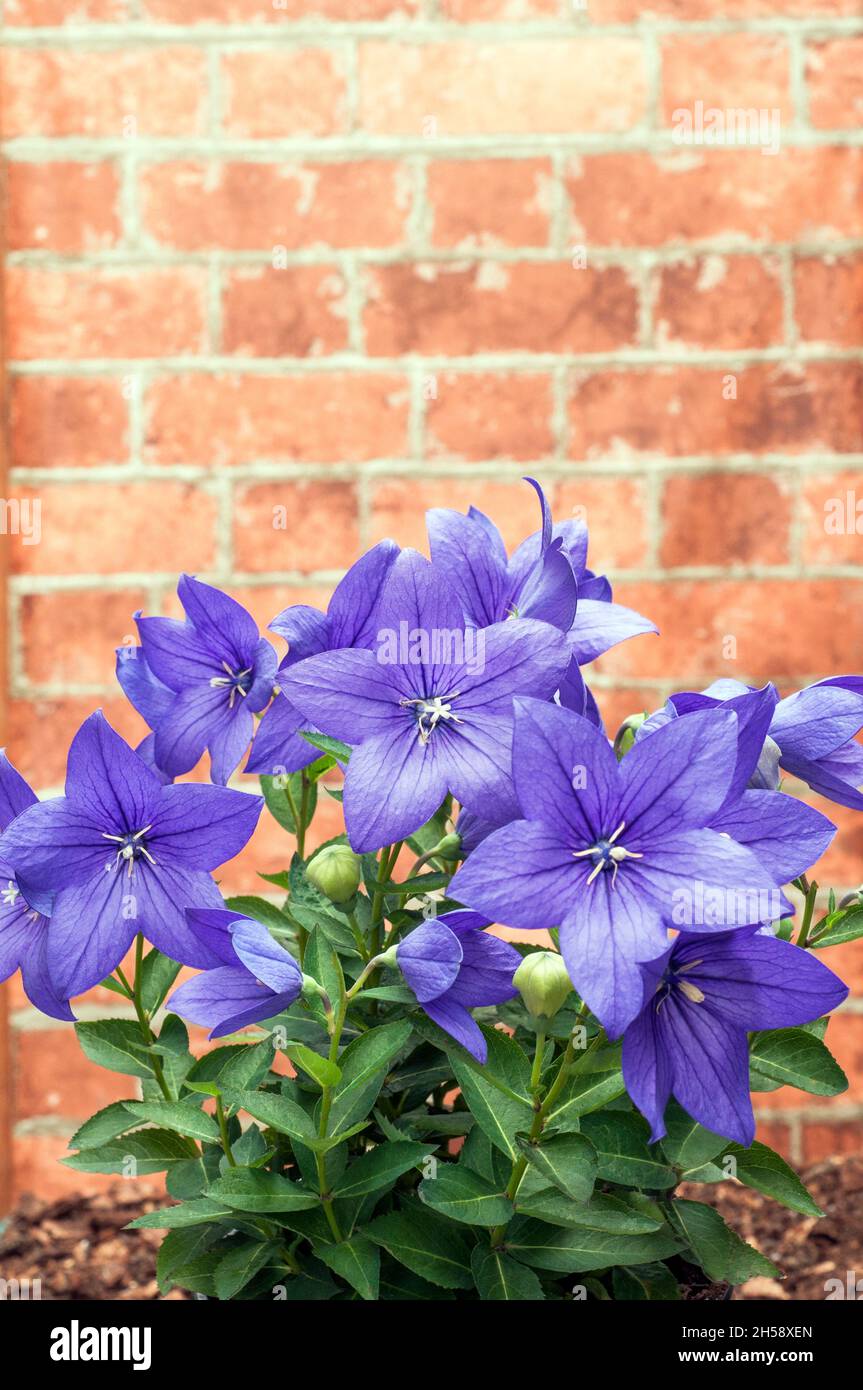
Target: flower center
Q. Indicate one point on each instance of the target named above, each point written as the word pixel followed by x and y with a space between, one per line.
pixel 10 894
pixel 671 982
pixel 238 682
pixel 429 713
pixel 130 848
pixel 606 854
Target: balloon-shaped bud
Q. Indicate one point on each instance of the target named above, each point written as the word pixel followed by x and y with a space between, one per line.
pixel 543 983
pixel 335 872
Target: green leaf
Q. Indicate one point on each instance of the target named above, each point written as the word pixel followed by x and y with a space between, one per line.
pixel 759 1167
pixel 260 910
pixel 104 1125
pixel 462 1194
pixel 251 1189
pixel 283 795
pixel 568 1161
pixel 136 1155
pixel 839 927
pixel 357 1261
pixel 240 1265
pixel 380 1167
pixel 364 1065
pixel 277 1112
pixel 178 1116
pixel 579 1249
pixel 114 1043
pixel 158 973
pixel 185 1214
pixel 319 1068
pixel 623 1156
pixel 499 1115
pixel 719 1250
pixel 427 1245
pixel 645 1283
pixel 180 1247
pixel 795 1057
pixel 499 1278
pixel 239 1066
pixel 602 1213
pixel 688 1145
pixel 585 1092
pixel 336 749
pixel 321 962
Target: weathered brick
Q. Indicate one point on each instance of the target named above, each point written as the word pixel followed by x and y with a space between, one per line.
pixel 172 524
pixel 183 12
pixel 284 92
pixel 38 1169
pixel 398 507
pixel 726 519
pixel 683 410
pixel 840 863
pixel 62 207
pixel 475 11
pixel 111 92
pixel 485 415
pixel 53 1077
pixel 697 194
pixel 775 1136
pixel 39 13
pixel 725 71
pixel 246 207
pixel 509 87
pixel 219 421
pixel 739 629
pixel 834 74
pixel 297 312
pixel 630 11
pixel 63 422
pixel 301 526
pixel 828 299
pixel 822 1142
pixel 104 313
pixel 490 202
pixel 494 307
pixel 832 518
pixel 615 510
pixel 72 637
pixel 40 731
pixel 719 302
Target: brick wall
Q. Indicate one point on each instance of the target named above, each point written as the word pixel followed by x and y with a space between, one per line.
pixel 358 257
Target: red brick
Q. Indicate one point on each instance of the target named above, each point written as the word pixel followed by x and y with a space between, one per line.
pixel 184 12
pixel 834 73
pixel 615 705
pixel 475 11
pixel 726 519
pixel 316 530
pixel 484 415
pixel 238 207
pixel 832 518
pixel 220 421
pixel 37 1168
pixel 297 312
pixel 840 864
pixel 629 11
pixel 111 92
pixel 495 307
pixel 719 302
pixel 284 92
pixel 269 850
pixel 846 961
pixel 615 510
pixel 822 1142
pixel 775 1136
pixel 53 1077
pixel 38 13
pixel 754 617
pixel 399 506
pixel 729 71
pixel 682 411
pixel 692 195
pixel 40 731
pixel 508 87
pixel 828 297
pixel 63 422
pixel 62 207
pixel 264 601
pixel 490 202
pixel 71 637
pixel 108 528
pixel 104 313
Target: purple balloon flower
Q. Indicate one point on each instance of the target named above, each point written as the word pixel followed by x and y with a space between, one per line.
pixel 124 854
pixel 701 998
pixel 23 928
pixel 614 853
pixel 254 979
pixel 452 965
pixel 348 622
pixel 430 708
pixel 199 683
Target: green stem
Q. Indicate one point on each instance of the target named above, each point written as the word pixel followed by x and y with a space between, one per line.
pixel 144 1021
pixel 338 1023
pixel 536 1073
pixel 223 1130
pixel 303 817
pixel 808 910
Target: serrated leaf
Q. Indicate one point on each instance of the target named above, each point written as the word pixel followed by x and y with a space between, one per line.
pixel 357 1261
pixel 180 1247
pixel 277 1112
pixel 251 1189
pixel 158 973
pixel 333 746
pixel 178 1217
pixel 500 1279
pixel 796 1057
pixel 240 1066
pixel 380 1167
pixel 603 1212
pixel 567 1161
pixel 104 1125
pixel 260 910
pixel 176 1116
pixel 114 1043
pixel 364 1065
pixel 429 1246
pixel 460 1193
pixel 499 1115
pixel 240 1265
pixel 719 1250
pixel 319 1068
pixel 759 1167
pixel 138 1155
pixel 572 1251
pixel 584 1093
pixel 687 1144
pixel 840 927
pixel 623 1156
pixel 645 1283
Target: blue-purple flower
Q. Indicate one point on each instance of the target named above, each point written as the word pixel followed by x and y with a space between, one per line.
pixel 348 622
pixel 453 965
pixel 430 710
pixel 200 682
pixel 616 853
pixel 255 977
pixel 701 998
pixel 124 854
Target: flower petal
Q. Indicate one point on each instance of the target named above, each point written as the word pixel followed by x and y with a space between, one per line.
pixel 699 879
pixel 15 794
pixel 463 549
pixel 349 694
pixel 91 929
pixel 522 875
pixel 756 981
pixel 266 959
pixel 352 611
pixel 785 834
pixel 429 958
pixel 711 1069
pixel 647 1069
pixel 678 777
pixel 224 625
pixel 598 626
pixel 144 691
pixel 565 772
pixel 393 785
pixel 202 827
pixel 278 747
pixel 107 780
pixel 455 1020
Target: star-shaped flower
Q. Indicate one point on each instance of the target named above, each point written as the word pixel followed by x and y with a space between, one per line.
pixel 256 978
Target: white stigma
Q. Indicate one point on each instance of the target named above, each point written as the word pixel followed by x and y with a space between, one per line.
pixel 431 712
pixel 605 851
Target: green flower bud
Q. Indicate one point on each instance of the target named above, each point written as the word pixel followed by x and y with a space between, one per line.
pixel 335 871
pixel 543 982
pixel 449 847
pixel 625 736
